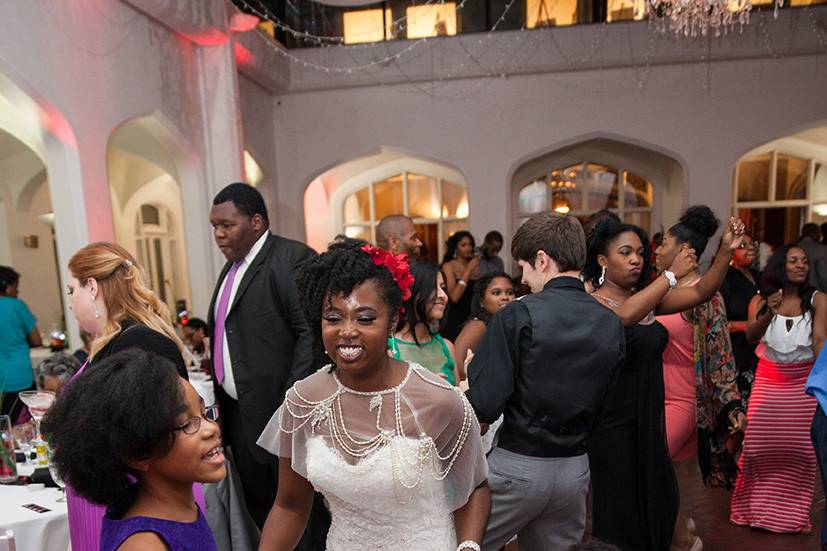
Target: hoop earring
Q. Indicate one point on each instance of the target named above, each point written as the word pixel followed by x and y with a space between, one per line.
pixel 602 277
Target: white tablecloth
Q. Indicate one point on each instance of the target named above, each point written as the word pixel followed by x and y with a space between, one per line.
pixel 203 386
pixel 34 531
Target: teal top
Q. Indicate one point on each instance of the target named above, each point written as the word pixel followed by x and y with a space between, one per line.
pixel 16 322
pixel 432 355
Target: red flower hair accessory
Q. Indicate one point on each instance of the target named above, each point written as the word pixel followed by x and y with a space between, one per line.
pixel 397 265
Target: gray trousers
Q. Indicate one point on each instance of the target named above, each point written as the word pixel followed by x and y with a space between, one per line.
pixel 541 500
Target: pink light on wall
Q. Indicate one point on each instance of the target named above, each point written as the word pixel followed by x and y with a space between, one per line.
pixel 55 124
pixel 318 221
pixel 243 56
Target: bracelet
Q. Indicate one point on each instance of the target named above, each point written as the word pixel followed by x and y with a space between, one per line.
pixel 461 282
pixel 469 544
pixel 670 277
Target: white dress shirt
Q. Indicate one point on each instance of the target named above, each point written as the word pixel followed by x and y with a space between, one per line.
pixel 229 379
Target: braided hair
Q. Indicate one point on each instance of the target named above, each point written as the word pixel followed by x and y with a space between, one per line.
pixel 339 270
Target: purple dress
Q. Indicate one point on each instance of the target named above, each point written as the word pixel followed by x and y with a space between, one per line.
pixel 178 536
pixel 85 517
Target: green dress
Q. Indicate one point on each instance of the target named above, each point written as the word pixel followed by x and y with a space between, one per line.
pixel 432 355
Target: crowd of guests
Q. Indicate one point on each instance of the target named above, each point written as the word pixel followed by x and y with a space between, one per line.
pixel 372 400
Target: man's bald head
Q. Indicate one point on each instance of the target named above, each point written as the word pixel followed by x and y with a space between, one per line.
pixel 397 233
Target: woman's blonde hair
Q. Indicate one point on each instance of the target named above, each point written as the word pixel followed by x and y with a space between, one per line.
pixel 122 286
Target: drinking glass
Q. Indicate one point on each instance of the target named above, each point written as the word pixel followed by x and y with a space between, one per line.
pixel 8 463
pixel 24 435
pixel 38 402
pixel 56 476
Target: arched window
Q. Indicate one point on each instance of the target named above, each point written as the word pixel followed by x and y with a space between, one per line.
pixel 438 207
pixel 157 250
pixel 585 188
pixel 776 193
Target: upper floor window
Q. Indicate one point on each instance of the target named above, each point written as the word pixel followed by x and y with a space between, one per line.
pixel 585 188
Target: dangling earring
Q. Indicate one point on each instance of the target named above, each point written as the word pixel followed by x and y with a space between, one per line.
pixel 97 313
pixel 602 277
pixel 393 347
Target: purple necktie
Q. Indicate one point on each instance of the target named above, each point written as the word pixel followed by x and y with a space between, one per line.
pixel 220 316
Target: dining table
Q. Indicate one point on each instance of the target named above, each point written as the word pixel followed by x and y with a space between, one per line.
pixel 34 516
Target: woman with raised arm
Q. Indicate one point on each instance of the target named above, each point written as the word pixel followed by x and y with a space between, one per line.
pixel 703 406
pixel 394 449
pixel 788 320
pixel 634 492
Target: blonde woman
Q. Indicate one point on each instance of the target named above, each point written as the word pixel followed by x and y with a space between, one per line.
pixel 110 300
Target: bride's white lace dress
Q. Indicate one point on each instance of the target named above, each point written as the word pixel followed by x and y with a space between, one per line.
pixel 392 465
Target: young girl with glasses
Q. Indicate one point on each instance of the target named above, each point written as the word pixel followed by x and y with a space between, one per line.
pixel 133 436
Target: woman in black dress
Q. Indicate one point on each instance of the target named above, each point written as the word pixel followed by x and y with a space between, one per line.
pixel 740 285
pixel 112 303
pixel 634 491
pixel 461 269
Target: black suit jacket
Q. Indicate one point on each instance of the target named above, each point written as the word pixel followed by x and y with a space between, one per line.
pixel 270 343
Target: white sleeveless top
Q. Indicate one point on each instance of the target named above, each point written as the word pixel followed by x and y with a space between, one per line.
pixel 788 347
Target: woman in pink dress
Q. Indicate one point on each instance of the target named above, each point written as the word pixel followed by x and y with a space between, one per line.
pixel 701 397
pixel 111 302
pixel 775 485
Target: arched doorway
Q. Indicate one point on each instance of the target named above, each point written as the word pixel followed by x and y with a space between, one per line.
pixel 642 186
pixel 147 209
pixel 352 197
pixel 781 185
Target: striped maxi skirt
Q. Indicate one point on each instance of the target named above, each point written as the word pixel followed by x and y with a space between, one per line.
pixel 774 490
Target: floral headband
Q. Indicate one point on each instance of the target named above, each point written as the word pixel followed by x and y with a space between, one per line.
pixel 397 265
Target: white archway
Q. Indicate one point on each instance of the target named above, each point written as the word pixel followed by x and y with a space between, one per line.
pixel 351 197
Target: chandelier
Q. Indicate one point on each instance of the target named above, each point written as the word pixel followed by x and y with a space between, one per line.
pixel 692 18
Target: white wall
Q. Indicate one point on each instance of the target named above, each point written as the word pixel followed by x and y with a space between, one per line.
pixel 703 115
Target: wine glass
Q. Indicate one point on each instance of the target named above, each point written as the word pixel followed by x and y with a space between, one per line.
pixel 56 476
pixel 24 435
pixel 38 402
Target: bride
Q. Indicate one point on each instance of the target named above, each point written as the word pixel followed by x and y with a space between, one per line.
pixel 394 449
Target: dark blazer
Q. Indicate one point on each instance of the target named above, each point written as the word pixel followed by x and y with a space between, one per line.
pixel 270 343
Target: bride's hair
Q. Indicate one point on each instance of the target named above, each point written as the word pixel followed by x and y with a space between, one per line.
pixel 344 266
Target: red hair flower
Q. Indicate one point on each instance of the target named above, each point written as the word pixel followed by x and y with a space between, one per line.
pixel 397 265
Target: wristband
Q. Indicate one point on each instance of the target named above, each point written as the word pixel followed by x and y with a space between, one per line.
pixel 469 544
pixel 670 277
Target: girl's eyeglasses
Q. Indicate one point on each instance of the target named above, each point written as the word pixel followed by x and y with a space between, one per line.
pixel 193 425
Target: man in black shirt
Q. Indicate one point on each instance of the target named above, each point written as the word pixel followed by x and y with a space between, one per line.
pixel 546 363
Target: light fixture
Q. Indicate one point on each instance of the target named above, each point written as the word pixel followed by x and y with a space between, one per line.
pixel 692 18
pixel 821 209
pixel 561 203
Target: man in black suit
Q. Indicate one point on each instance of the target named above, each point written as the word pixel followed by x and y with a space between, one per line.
pixel 260 341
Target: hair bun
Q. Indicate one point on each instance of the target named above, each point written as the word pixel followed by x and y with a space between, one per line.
pixel 701 219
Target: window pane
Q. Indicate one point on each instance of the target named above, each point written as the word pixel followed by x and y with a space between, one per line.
pixel 432 20
pixel 546 13
pixel 637 191
pixel 450 228
pixel 454 200
pixel 387 196
pixel 566 197
pixel 429 235
pixel 820 182
pixel 641 219
pixel 778 225
pixel 533 198
pixel 601 186
pixel 790 178
pixel 423 197
pixel 150 215
pixel 367 26
pixel 625 10
pixel 754 179
pixel 359 232
pixel 357 206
